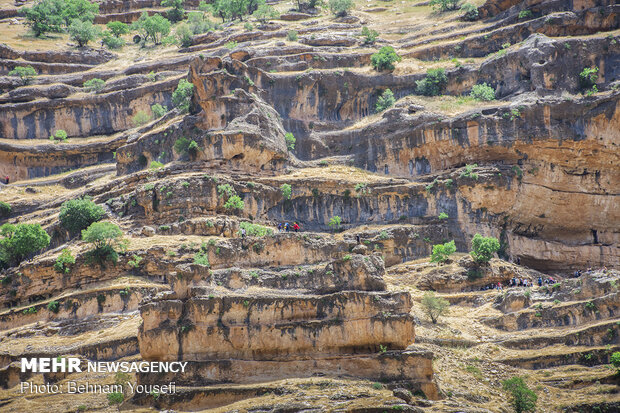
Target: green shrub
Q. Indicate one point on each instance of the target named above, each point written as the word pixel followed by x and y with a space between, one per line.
pixel 140 118
pixel 198 23
pixel 201 258
pixel 156 165
pixel 255 230
pixel 159 110
pixel 26 74
pixel 234 203
pixel 441 252
pixel 525 14
pixel 45 16
pixel 615 360
pixel 470 12
pixel 444 5
pixel 483 248
pixel 231 45
pixel 469 171
pixel 433 84
pixel 386 100
pixel 286 191
pixel 53 306
pixel 182 96
pixel 152 27
pixel 370 36
pixel 106 241
pixel 115 398
pixel 290 140
pixel 177 12
pixel 21 240
pixel 112 42
pixel 291 36
pixel 587 78
pixel 522 398
pixel 94 85
pixel 185 146
pixel 117 28
pixel 340 7
pixel 5 209
pixel 83 32
pixel 434 306
pixel 59 136
pixel 77 214
pixel 264 13
pixel 63 262
pixel 183 35
pixel 385 58
pixel 334 222
pixel 443 215
pixel 483 92
pixel 226 189
pixel 135 261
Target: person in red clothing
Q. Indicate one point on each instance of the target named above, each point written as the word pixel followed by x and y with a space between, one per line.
pixel 6 179
pixel 296 227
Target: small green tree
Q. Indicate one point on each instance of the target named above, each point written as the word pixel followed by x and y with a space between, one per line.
pixel 152 27
pixel 290 140
pixel 111 41
pixel 182 96
pixel 444 5
pixel 184 35
pixel 483 92
pixel 615 361
pixel 264 13
pixel 59 136
pixel 26 74
pixel 370 36
pixel 286 191
pixel 64 261
pixel 21 240
pixel 83 32
pixel 141 118
pixel 441 252
pixel 334 222
pixel 434 306
pixel 587 79
pixel 198 23
pixel 83 10
pixel 522 399
pixel 118 28
pixel 385 58
pixel 94 85
pixel 340 7
pixel 5 209
pixel 483 248
pixel 234 203
pixel 78 214
pixel 470 12
pixel 433 84
pixel 106 240
pixel 159 110
pixel 291 36
pixel 386 100
pixel 45 16
pixel 177 12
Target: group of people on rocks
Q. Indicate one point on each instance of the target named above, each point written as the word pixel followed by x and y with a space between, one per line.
pixel 286 227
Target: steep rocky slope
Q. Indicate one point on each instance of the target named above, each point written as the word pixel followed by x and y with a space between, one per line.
pixel 324 320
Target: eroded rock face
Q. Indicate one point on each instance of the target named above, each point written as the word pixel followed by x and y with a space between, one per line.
pixel 258 331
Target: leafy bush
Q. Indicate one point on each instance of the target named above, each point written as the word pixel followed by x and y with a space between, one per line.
pixel 152 27
pixel 588 77
pixel 525 14
pixel 177 12
pixel 470 12
pixel 184 35
pixel 385 58
pixel 234 203
pixel 117 28
pixel 443 215
pixel 112 42
pixel 522 398
pixel 291 36
pixel 53 306
pixel 386 100
pixel 469 171
pixel 63 262
pixel 482 92
pixel 45 16
pixel 483 248
pixel 255 230
pixel 5 209
pixel 21 240
pixel 159 110
pixel 334 222
pixel 444 5
pixel 434 306
pixel 370 36
pixel 182 96
pixel 83 32
pixel 156 165
pixel 225 189
pixel 198 23
pixel 615 360
pixel 94 85
pixel 115 397
pixel 264 13
pixel 59 135
pixel 340 7
pixel 106 240
pixel 286 191
pixel 290 140
pixel 25 73
pixel 140 118
pixel 201 258
pixel 441 252
pixel 433 84
pixel 78 214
